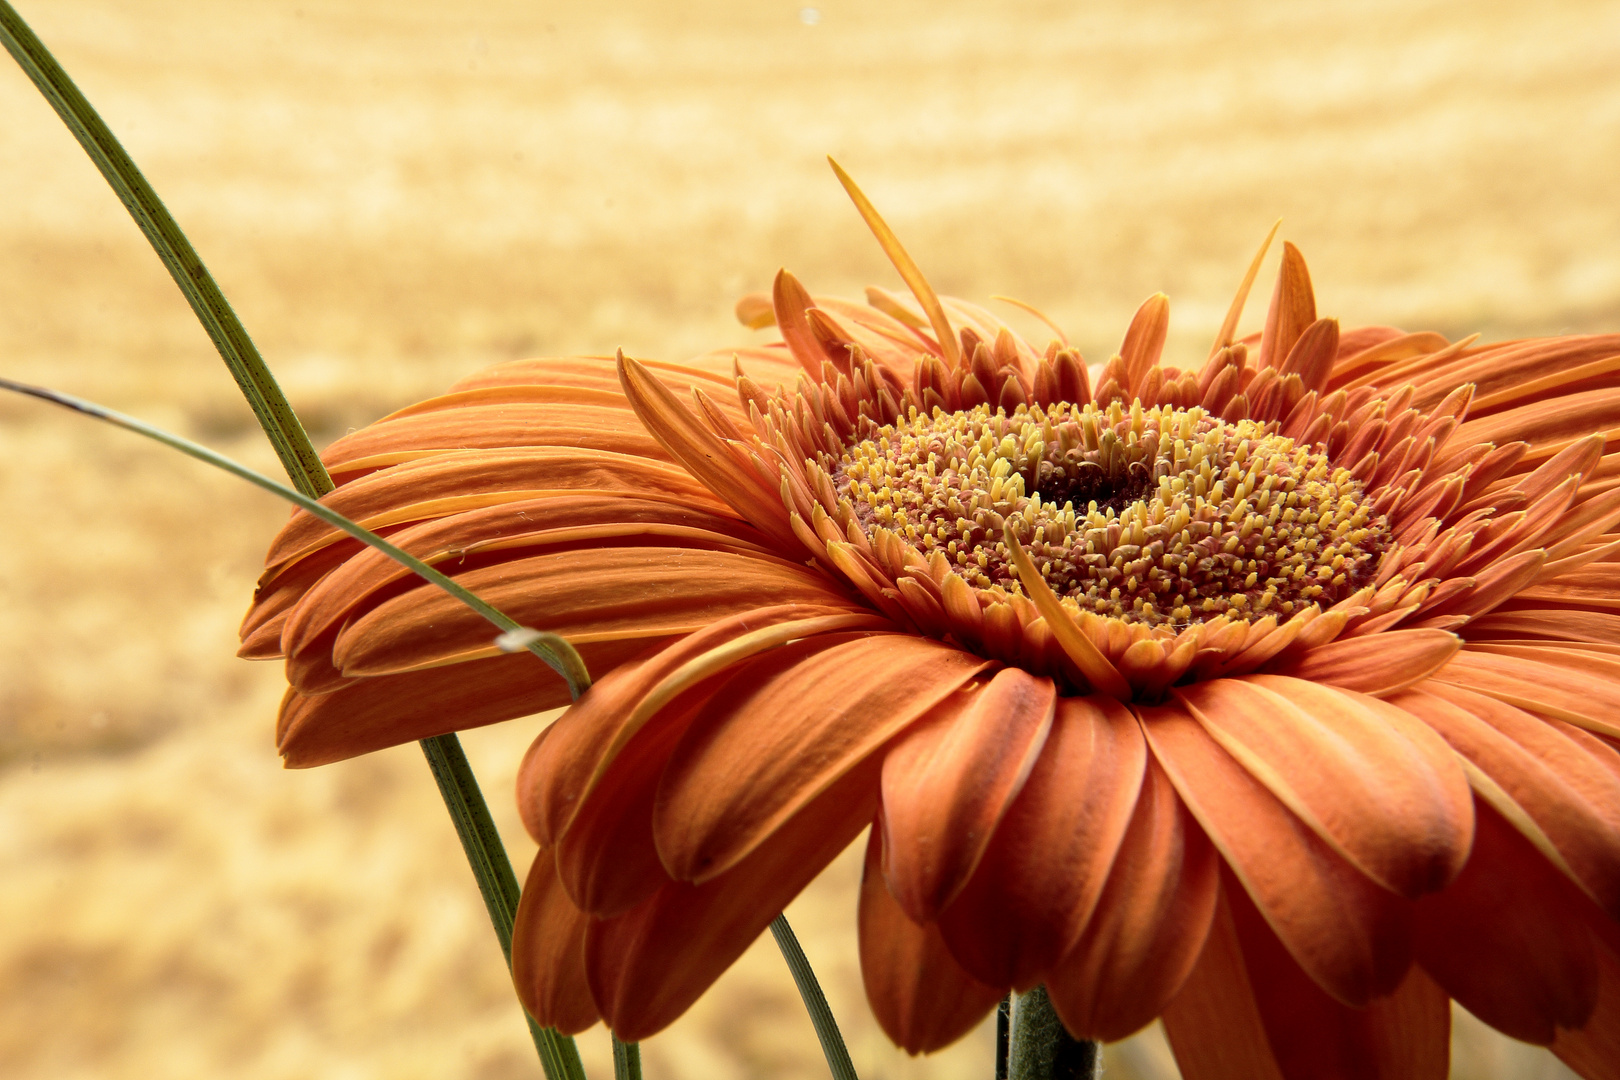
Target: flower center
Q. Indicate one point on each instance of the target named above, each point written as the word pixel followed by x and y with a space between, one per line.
pixel 1154 515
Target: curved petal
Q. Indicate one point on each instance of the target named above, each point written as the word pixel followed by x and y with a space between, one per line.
pixel 607 857
pixel 1040 877
pixel 586 595
pixel 561 770
pixel 1350 935
pixel 740 771
pixel 610 428
pixel 548 952
pixel 370 714
pixel 1572 800
pixel 1149 925
pixel 946 784
pixel 1214 1024
pixel 1372 781
pixel 506 532
pixel 1594 1050
pixel 1376 664
pixel 1405 1035
pixel 647 966
pixel 1506 939
pixel 455 482
pixel 1584 699
pixel 920 995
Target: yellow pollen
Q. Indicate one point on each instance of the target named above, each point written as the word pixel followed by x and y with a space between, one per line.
pixel 1147 514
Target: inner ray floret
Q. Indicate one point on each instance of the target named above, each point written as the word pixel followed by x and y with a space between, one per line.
pixel 1157 515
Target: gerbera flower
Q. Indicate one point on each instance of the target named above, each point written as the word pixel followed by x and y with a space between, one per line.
pixel 1274 694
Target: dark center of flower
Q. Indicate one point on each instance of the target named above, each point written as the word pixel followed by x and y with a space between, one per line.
pixel 1154 515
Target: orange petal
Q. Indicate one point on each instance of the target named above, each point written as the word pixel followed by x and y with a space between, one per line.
pixel 559 772
pixel 647 966
pixel 586 595
pixel 369 714
pixel 1144 338
pixel 946 784
pixel 1376 664
pixel 1312 356
pixel 703 454
pixel 1241 298
pixel 1372 781
pixel 609 428
pixel 564 520
pixel 1039 879
pixel 920 995
pixel 1149 925
pixel 1506 939
pixel 1293 308
pixel 1572 800
pixel 772 741
pixel 1351 936
pixel 909 272
pixel 548 952
pixel 1214 1025
pixel 1594 1050
pixel 1585 700
pixel 1403 1036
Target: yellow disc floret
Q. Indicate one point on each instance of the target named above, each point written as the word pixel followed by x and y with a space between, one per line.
pixel 1154 515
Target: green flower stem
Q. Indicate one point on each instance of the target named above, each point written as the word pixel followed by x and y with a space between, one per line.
pixel 1040 1048
pixel 626 1060
pixel 269 404
pixel 468 811
pixel 815 1002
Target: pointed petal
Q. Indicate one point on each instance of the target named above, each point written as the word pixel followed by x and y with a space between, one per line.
pixel 1506 939
pixel 1403 1036
pixel 781 733
pixel 1149 925
pixel 947 783
pixel 1213 1024
pixel 1293 308
pixel 1312 356
pixel 1144 338
pixel 920 995
pixel 1235 311
pixel 702 452
pixel 548 952
pixel 1351 936
pixel 909 271
pixel 649 965
pixel 1372 781
pixel 1047 863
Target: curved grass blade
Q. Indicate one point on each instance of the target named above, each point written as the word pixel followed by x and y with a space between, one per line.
pixel 263 394
pixel 815 1002
pixel 468 810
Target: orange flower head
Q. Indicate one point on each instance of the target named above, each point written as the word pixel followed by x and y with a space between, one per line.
pixel 1277 695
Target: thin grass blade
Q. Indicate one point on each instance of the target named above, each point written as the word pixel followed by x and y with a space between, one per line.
pixel 815 1002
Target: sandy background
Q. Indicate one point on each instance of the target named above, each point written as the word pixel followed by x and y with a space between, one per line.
pixel 394 194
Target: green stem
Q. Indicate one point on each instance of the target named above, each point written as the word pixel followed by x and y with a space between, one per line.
pixel 815 1002
pixel 263 395
pixel 1042 1049
pixel 626 1060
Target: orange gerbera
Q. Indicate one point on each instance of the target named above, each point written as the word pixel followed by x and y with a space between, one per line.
pixel 1275 695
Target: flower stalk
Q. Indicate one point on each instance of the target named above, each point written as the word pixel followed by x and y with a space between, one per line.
pixel 1041 1049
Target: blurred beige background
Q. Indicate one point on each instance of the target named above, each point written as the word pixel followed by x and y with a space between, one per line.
pixel 394 194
